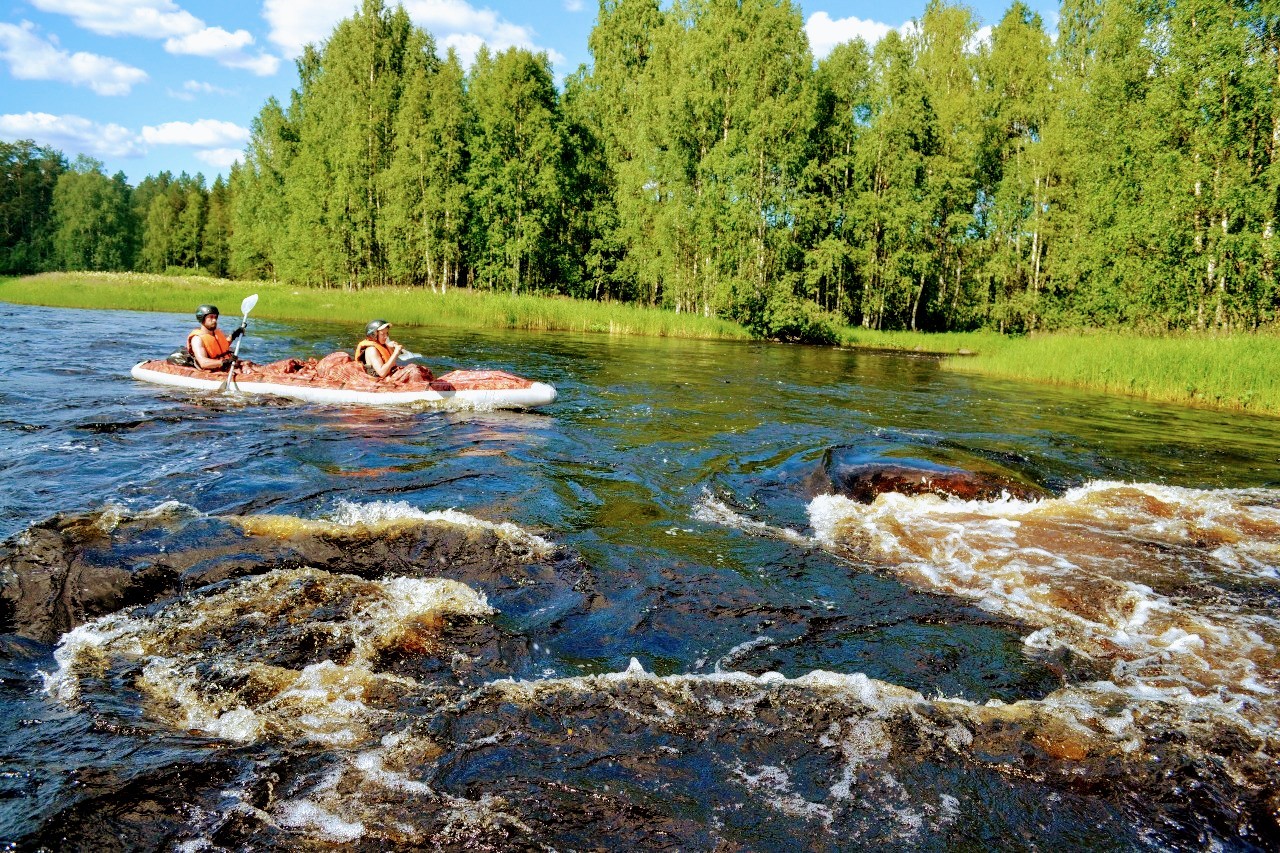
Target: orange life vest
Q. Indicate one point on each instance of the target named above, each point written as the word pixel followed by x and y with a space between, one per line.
pixel 385 352
pixel 215 343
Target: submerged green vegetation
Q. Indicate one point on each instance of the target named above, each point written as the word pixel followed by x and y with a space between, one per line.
pixel 1204 369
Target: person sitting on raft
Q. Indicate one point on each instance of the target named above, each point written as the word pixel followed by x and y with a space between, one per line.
pixel 211 349
pixel 378 353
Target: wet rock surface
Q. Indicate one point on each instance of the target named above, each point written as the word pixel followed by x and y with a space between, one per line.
pixel 70 569
pixel 857 476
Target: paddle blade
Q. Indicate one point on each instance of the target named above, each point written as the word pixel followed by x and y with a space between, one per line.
pixel 247 305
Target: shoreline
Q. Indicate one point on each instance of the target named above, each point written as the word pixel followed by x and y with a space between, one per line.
pixel 1211 371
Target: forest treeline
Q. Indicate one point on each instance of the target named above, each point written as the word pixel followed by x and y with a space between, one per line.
pixel 1122 174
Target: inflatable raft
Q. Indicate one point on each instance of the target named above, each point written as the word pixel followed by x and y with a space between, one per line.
pixel 339 381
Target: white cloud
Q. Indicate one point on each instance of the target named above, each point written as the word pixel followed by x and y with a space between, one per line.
pixel 220 158
pixel 294 25
pixel 981 39
pixel 192 88
pixel 205 133
pixel 825 33
pixel 184 33
pixel 454 23
pixel 210 41
pixel 146 18
pixel 73 134
pixel 31 57
pixel 574 5
pixel 227 48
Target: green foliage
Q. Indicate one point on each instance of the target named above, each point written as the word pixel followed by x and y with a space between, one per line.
pixel 26 198
pixel 93 218
pixel 515 176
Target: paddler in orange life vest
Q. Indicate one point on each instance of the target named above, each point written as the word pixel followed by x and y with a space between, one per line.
pixel 208 346
pixel 377 352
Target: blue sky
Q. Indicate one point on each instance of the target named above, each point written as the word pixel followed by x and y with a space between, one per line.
pixel 152 85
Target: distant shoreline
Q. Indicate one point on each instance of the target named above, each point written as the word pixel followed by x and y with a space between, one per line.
pixel 1226 372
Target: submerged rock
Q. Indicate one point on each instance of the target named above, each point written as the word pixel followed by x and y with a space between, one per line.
pixel 859 478
pixel 70 569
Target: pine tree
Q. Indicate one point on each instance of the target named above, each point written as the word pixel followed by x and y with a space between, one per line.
pixel 215 253
pixel 428 204
pixel 259 210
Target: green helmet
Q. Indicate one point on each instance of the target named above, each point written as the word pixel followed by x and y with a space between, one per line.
pixel 375 326
pixel 205 310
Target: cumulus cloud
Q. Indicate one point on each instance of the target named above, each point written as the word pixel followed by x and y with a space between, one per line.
pixel 72 133
pixel 574 5
pixel 454 23
pixel 206 134
pixel 31 57
pixel 825 32
pixel 295 25
pixel 147 18
pixel 184 33
pixel 220 158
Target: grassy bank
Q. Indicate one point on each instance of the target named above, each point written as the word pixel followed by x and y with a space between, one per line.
pixel 1235 372
pixel 403 306
pixel 1221 371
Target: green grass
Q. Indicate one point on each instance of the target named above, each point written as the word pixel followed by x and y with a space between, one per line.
pixel 1236 371
pixel 402 306
pixel 941 343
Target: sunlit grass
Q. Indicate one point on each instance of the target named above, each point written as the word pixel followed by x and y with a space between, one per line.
pixel 1222 371
pixel 943 343
pixel 1219 371
pixel 402 306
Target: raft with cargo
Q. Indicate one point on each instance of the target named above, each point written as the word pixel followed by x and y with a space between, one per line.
pixel 339 379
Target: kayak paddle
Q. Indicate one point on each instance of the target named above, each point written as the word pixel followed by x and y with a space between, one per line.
pixel 245 307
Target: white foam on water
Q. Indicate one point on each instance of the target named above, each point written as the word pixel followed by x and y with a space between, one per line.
pixel 715 511
pixel 776 790
pixel 304 814
pixel 735 653
pixel 1144 576
pixel 177 648
pixel 347 513
pixel 114 514
pixel 87 645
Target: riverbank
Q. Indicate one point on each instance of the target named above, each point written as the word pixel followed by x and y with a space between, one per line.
pixel 405 306
pixel 1233 372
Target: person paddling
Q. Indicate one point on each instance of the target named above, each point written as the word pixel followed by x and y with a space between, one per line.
pixel 378 354
pixel 209 347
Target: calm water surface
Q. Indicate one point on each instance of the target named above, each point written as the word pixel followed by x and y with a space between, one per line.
pixel 647 616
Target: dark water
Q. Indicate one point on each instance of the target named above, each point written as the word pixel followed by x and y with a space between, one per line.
pixel 642 618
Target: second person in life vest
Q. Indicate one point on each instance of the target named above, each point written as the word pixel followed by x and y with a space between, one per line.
pixel 377 353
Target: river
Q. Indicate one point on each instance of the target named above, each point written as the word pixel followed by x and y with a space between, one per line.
pixel 719 596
